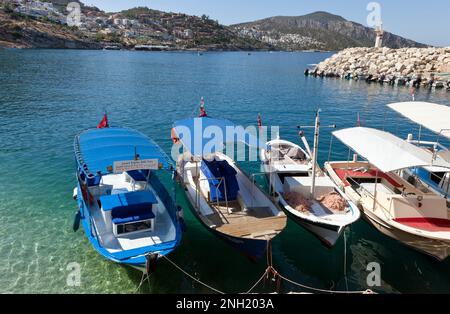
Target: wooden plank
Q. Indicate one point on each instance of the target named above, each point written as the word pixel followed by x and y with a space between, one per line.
pixel 248 225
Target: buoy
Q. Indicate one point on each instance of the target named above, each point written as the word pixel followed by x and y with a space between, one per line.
pixel 76 221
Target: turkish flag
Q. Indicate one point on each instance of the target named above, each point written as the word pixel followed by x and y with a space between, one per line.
pixel 104 123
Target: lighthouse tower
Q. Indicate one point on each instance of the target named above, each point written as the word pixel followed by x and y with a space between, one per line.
pixel 379 36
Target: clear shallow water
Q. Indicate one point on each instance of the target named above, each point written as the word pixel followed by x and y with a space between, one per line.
pixel 47 96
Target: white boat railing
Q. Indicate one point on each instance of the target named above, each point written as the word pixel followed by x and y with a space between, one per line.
pixel 434 145
pixel 221 181
pixel 372 197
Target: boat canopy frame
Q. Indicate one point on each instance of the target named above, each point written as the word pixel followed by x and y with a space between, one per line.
pixel 386 151
pixel 433 117
pixel 96 150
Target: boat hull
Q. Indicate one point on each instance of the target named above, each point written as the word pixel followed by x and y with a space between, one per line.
pixel 138 262
pixel 327 234
pixel 437 249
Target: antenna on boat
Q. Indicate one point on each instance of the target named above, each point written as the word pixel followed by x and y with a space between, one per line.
pixel 316 147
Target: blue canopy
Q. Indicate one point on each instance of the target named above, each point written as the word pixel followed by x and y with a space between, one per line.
pixel 203 136
pixel 98 149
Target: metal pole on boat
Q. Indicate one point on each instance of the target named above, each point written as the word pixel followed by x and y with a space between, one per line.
pixel 315 150
pixel 316 145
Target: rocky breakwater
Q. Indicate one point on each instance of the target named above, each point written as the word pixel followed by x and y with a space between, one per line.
pixel 407 66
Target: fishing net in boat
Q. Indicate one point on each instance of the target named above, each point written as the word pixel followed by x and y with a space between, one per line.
pixel 333 201
pixel 298 202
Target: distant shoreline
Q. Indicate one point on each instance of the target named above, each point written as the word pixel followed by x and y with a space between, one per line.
pixel 168 50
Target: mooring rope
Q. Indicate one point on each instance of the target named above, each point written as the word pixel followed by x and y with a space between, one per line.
pixel 143 278
pixel 270 270
pixel 324 290
pixel 192 277
pixel 257 283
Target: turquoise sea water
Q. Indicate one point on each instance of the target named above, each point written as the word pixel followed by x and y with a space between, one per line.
pixel 47 96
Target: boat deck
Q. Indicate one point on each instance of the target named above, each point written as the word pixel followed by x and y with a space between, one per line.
pixel 254 222
pixel 164 229
pixel 247 217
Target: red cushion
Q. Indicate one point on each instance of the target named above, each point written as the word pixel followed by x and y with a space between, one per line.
pixel 372 173
pixel 426 224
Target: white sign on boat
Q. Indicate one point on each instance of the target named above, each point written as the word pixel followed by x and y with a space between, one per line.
pixel 129 165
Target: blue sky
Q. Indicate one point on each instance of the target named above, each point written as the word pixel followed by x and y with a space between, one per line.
pixel 424 21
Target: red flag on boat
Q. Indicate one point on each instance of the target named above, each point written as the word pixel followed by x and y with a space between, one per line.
pixel 259 121
pixel 202 108
pixel 174 136
pixel 104 123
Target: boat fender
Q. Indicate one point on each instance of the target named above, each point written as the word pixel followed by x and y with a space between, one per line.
pixel 180 216
pixel 75 194
pixel 151 262
pixel 76 221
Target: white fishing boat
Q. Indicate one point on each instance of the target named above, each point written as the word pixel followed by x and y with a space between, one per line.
pixel 306 194
pixel 223 198
pixel 419 218
pixel 435 118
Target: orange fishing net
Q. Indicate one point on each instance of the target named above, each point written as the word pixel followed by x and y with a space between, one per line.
pixel 298 202
pixel 333 201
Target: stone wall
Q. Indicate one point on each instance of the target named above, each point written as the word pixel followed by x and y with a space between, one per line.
pixel 427 63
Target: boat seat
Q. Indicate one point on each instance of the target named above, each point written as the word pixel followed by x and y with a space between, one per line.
pixel 142 217
pixel 213 171
pixel 137 175
pixel 129 207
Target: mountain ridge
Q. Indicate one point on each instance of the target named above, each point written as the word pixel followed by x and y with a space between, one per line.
pixel 46 28
pixel 316 30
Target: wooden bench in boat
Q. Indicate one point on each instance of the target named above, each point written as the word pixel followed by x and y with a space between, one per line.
pixel 251 227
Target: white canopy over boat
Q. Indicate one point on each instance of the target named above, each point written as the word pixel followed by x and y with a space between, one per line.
pixel 431 116
pixel 386 151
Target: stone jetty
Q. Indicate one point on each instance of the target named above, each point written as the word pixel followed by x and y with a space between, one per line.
pixel 407 66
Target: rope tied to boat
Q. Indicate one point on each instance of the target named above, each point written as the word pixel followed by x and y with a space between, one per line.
pixel 192 277
pixel 272 274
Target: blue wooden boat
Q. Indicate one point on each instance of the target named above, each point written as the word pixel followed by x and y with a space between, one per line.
pixel 126 212
pixel 222 197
